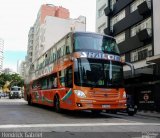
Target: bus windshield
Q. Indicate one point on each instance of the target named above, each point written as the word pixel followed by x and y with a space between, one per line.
pixel 84 41
pixel 98 73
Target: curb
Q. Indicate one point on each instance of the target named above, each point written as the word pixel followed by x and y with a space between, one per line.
pixel 149 113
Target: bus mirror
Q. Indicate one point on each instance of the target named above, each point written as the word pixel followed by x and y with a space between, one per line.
pixel 131 67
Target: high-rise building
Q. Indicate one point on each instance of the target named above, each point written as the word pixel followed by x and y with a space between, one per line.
pixel 135 26
pixel 1 54
pixel 51 25
pixel 30 44
pixel 101 20
pixel 45 11
pixel 21 67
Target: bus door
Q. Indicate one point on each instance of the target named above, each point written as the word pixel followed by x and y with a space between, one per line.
pixel 48 84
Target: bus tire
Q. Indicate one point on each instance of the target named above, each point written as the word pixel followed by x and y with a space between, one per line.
pixel 57 103
pixel 131 113
pixel 29 98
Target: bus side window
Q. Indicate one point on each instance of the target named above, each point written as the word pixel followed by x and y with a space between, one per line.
pixel 53 81
pixel 44 83
pixel 69 78
pixel 67 50
pixel 62 78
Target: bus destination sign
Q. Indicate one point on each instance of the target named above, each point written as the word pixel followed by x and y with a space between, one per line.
pixel 100 56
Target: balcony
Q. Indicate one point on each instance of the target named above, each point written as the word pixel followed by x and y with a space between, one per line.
pixel 145 34
pixel 145 8
pixel 108 11
pixel 119 5
pixel 127 22
pixel 130 44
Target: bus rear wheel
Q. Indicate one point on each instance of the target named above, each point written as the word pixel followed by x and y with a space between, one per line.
pixel 30 100
pixel 130 113
pixel 57 104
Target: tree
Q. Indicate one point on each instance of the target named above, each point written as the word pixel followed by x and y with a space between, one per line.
pixel 15 79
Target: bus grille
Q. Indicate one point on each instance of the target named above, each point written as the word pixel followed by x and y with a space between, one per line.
pixel 104 94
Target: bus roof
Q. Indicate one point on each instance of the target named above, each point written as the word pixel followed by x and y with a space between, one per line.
pixel 80 32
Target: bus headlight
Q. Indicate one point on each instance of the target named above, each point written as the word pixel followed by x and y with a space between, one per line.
pixel 79 93
pixel 124 95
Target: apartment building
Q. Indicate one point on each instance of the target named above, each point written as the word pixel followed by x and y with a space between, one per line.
pixel 51 24
pixel 45 11
pixel 135 26
pixel 101 20
pixel 30 45
pixel 21 68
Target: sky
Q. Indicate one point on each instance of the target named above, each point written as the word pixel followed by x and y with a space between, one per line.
pixel 17 16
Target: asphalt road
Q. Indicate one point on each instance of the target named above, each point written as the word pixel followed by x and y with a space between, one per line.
pixel 21 120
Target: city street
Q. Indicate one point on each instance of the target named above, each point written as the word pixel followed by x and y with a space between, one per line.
pixel 17 116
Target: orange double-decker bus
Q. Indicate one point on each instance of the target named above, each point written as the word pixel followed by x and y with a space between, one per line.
pixel 83 71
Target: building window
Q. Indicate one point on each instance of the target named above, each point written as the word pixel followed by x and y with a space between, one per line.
pixel 146 24
pixel 135 4
pixel 117 18
pixel 101 11
pixel 120 38
pixel 101 28
pixel 141 53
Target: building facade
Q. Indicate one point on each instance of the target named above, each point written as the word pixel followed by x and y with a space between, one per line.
pixel 51 24
pixel 45 11
pixel 1 54
pixel 54 29
pixel 101 20
pixel 30 45
pixel 135 26
pixel 21 68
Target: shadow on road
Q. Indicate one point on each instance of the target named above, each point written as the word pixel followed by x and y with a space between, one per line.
pixel 77 114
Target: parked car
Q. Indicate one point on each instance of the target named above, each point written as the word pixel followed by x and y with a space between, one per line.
pixel 15 92
pixel 3 94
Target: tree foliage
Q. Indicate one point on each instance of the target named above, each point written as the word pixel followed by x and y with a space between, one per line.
pixel 15 79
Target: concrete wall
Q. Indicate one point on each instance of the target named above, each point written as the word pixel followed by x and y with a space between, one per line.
pixel 55 28
pixel 55 11
pixel 156 28
pixel 103 19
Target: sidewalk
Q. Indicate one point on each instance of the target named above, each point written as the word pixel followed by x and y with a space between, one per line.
pixel 149 113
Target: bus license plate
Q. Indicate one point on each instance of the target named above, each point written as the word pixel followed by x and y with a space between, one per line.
pixel 105 106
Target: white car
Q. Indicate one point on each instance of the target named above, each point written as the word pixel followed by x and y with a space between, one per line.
pixel 15 92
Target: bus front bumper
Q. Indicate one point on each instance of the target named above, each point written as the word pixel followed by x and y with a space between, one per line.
pixel 107 105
